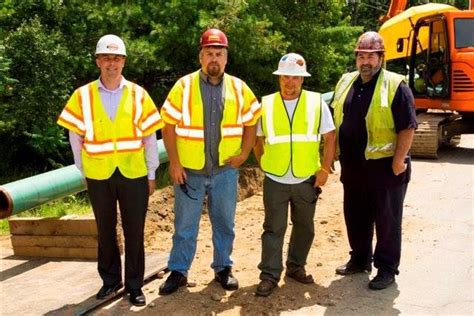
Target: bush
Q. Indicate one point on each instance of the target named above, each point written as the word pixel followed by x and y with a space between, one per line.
pixel 40 66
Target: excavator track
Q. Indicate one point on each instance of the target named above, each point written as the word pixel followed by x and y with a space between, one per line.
pixel 427 137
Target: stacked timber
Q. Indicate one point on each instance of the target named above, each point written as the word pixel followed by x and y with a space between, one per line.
pixel 65 237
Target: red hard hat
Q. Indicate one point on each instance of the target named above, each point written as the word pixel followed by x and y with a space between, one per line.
pixel 370 42
pixel 213 37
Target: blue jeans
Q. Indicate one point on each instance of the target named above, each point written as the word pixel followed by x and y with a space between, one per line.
pixel 221 190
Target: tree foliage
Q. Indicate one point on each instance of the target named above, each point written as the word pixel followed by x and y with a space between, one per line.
pixel 48 48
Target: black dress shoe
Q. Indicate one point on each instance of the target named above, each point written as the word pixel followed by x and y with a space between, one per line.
pixel 226 279
pixel 382 280
pixel 172 283
pixel 107 290
pixel 137 297
pixel 352 268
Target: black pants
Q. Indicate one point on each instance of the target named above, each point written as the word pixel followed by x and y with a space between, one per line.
pixel 364 207
pixel 132 197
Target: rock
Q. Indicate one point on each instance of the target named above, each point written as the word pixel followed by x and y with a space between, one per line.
pixel 151 305
pixel 216 297
pixel 160 274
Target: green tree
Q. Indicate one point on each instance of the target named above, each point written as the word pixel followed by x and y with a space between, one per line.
pixel 51 43
pixel 44 81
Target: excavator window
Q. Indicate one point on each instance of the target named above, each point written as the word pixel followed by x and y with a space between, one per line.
pixel 463 31
pixel 431 63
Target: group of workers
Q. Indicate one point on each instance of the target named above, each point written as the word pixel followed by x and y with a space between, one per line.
pixel 211 123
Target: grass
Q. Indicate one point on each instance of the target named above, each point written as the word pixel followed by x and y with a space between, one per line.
pixel 74 204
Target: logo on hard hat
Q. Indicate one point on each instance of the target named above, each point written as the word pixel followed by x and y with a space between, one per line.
pixel 112 46
pixel 300 62
pixel 213 38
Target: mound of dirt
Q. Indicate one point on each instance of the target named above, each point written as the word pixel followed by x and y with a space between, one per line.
pixel 160 216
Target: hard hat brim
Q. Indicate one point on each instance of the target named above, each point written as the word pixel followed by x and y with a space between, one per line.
pixel 108 53
pixel 214 44
pixel 282 73
pixel 369 50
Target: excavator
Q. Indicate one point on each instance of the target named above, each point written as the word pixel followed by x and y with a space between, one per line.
pixel 433 46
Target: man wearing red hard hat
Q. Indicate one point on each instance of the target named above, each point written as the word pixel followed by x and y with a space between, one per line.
pixel 210 130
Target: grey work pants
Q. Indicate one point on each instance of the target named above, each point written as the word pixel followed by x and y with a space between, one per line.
pixel 302 199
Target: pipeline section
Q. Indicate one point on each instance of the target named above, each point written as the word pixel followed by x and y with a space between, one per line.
pixel 22 195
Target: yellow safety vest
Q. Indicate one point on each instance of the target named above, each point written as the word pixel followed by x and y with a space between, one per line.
pixel 184 108
pixel 111 144
pixel 381 134
pixel 295 142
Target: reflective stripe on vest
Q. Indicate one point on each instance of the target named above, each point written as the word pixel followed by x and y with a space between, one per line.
pixel 185 129
pixel 95 146
pixel 295 142
pixel 381 138
pixel 189 116
pixel 310 135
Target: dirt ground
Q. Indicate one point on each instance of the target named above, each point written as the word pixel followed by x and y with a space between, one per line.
pixel 331 294
pixel 436 272
pixel 205 297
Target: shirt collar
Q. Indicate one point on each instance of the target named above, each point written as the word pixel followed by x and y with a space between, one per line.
pixel 205 78
pixel 122 84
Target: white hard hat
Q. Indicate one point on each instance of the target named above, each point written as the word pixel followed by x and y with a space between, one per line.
pixel 292 65
pixel 110 44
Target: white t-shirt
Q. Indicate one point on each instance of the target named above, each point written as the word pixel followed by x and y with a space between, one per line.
pixel 326 125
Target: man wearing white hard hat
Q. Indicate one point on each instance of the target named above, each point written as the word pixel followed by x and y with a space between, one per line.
pixel 288 136
pixel 112 124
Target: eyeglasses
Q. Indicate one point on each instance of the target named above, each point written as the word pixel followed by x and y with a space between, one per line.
pixel 184 188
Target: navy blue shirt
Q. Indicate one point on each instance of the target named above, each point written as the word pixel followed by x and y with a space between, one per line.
pixel 356 170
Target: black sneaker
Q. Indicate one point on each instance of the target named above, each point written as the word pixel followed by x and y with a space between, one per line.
pixel 226 279
pixel 172 283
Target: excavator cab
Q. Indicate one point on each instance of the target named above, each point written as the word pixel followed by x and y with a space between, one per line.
pixel 429 67
pixel 433 45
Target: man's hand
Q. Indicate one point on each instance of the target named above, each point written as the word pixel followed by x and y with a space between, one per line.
pixel 177 173
pixel 321 178
pixel 236 161
pixel 151 186
pixel 398 167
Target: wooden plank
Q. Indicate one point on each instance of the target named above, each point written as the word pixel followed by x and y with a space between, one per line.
pixel 55 252
pixel 53 226
pixel 54 241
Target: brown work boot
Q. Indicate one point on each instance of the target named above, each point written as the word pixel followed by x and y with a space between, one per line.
pixel 300 276
pixel 265 287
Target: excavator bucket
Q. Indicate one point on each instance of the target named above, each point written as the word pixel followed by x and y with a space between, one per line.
pixel 397 32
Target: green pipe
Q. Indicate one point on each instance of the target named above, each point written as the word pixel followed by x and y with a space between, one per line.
pixel 22 195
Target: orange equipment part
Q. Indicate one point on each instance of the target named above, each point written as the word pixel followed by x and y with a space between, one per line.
pixel 396 7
